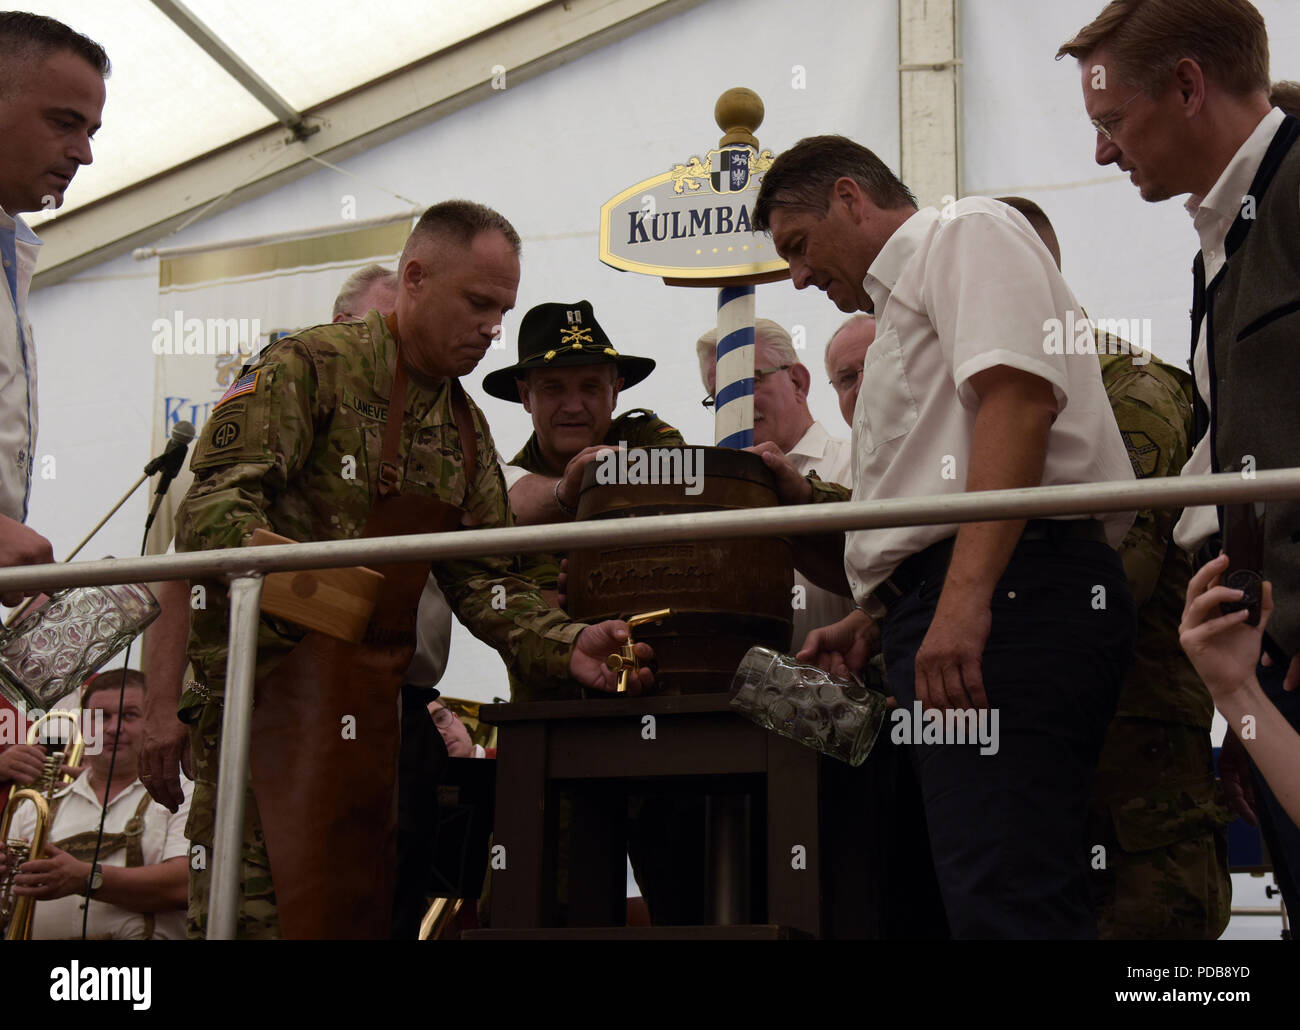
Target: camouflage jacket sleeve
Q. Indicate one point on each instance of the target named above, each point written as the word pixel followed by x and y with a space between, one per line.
pixel 498 605
pixel 246 453
pixel 1153 411
pixel 824 492
pixel 641 427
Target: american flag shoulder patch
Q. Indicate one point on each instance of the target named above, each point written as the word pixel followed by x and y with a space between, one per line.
pixel 246 384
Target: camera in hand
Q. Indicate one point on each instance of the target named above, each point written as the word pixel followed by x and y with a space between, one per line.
pixel 1243 543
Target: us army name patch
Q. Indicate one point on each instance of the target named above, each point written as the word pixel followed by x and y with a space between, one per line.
pixel 368 409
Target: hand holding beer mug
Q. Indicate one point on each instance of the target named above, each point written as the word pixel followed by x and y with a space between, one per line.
pixel 837 717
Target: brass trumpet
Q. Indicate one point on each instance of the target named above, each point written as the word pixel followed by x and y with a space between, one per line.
pixel 51 779
pixel 442 913
pixel 19 912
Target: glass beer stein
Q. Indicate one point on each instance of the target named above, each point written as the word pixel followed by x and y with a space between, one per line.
pixel 837 717
pixel 51 650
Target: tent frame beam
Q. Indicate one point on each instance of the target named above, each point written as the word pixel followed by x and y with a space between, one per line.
pixel 231 63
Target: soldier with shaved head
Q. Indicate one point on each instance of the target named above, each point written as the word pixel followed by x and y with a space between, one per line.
pixel 340 431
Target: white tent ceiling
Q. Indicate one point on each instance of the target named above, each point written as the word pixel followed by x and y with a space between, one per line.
pixel 169 101
pixel 215 102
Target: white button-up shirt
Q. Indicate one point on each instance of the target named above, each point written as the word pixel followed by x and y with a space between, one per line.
pixel 956 294
pixel 163 838
pixel 1213 217
pixel 17 373
pixel 432 637
pixel 831 458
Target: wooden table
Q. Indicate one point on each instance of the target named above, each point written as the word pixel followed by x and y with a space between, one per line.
pixel 602 749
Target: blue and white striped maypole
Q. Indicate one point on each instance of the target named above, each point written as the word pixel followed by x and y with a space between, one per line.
pixel 734 376
pixel 738 113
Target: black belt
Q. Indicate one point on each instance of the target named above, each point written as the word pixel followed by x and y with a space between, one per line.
pixel 933 561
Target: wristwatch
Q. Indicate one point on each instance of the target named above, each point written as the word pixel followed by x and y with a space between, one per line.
pixel 95 880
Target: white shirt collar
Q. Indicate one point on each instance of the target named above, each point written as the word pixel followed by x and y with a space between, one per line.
pixel 1224 198
pixel 813 443
pixel 21 230
pixel 82 788
pixel 884 273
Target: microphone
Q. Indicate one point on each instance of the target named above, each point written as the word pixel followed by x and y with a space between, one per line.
pixel 172 458
pixel 169 464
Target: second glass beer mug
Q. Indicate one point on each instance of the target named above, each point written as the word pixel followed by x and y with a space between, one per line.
pixel 53 648
pixel 837 717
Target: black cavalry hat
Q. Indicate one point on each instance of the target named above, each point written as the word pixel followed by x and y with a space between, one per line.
pixel 559 335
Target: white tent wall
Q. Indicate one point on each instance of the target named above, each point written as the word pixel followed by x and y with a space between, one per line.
pixel 95 387
pixel 549 151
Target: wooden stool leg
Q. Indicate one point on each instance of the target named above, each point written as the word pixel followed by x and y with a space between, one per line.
pixel 520 888
pixel 793 847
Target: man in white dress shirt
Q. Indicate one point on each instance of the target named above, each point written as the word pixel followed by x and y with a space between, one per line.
pixel 1021 628
pixel 51 99
pixel 1180 100
pixel 781 415
pixel 139 883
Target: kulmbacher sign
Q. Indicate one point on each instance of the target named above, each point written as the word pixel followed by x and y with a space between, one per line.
pixel 692 222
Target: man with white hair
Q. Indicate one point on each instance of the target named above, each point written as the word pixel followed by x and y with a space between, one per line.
pixel 372 288
pixel 846 350
pixel 782 417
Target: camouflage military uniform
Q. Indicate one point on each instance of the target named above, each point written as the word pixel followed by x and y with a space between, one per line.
pixel 1157 810
pixel 636 428
pixel 297 453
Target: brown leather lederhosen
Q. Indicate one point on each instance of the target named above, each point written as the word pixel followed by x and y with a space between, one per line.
pixel 82 846
pixel 326 784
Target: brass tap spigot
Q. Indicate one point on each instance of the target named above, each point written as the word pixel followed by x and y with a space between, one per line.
pixel 625 663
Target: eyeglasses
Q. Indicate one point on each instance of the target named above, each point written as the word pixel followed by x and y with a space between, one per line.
pixel 844 380
pixel 444 717
pixel 1106 125
pixel 759 373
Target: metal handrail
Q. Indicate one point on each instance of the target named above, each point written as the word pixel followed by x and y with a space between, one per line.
pixel 245 568
pixel 1026 502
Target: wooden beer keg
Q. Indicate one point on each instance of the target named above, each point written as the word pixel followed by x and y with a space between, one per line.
pixel 726 595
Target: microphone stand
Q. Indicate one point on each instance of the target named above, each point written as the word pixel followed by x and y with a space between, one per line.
pixel 112 511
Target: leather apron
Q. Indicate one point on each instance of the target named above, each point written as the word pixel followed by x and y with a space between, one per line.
pixel 326 784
